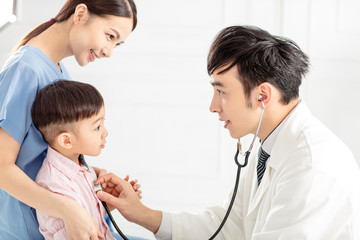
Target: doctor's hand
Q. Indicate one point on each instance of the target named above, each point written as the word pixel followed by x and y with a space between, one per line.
pixel 135 186
pixel 120 194
pixel 99 171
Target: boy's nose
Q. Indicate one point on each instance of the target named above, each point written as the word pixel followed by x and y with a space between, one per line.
pixel 105 133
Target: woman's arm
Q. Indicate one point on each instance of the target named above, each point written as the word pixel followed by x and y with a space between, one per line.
pixel 78 222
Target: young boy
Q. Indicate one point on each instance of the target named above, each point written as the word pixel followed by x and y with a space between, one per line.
pixel 70 116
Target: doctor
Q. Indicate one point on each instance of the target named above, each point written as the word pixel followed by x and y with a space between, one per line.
pixel 301 182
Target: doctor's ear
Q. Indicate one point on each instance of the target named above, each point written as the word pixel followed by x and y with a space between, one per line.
pixel 264 92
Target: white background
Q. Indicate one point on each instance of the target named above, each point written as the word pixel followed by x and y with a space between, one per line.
pixel 157 90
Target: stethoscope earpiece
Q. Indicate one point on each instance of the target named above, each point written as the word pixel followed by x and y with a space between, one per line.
pixel 246 154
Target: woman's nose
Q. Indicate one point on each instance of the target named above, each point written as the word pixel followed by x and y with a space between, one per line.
pixel 107 52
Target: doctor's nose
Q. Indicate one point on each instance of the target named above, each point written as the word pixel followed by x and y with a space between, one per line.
pixel 214 106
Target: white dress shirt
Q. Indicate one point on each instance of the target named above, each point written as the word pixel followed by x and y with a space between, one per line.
pixel 165 233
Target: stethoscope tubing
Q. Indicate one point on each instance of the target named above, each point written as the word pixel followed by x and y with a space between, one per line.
pixel 238 146
pixel 113 221
pixel 247 154
pixel 97 188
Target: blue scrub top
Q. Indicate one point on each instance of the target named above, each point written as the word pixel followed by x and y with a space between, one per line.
pixel 26 72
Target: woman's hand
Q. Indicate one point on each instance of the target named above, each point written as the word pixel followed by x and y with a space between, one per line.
pixel 79 224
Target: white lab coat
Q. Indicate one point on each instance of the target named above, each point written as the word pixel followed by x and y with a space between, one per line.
pixel 310 190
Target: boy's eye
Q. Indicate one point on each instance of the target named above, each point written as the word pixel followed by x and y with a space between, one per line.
pixel 98 128
pixel 220 92
pixel 111 36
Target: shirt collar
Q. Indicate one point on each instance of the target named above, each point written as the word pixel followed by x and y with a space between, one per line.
pixel 82 161
pixel 269 142
pixel 64 164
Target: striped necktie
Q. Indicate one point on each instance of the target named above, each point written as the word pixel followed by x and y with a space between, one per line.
pixel 263 156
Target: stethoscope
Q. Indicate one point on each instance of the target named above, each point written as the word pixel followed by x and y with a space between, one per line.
pixel 246 154
pixel 238 151
pixel 99 188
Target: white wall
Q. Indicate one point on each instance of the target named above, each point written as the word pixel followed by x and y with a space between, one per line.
pixel 157 91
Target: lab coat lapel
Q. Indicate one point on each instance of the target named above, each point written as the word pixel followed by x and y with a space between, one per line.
pixel 250 186
pixel 260 191
pixel 256 193
pixel 259 202
pixel 274 160
pixel 281 147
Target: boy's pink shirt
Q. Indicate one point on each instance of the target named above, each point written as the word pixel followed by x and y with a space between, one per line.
pixel 61 175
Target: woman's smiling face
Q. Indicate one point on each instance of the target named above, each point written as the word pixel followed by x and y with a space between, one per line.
pixel 93 37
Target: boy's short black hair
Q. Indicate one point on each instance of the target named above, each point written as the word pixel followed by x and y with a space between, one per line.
pixel 259 57
pixel 63 102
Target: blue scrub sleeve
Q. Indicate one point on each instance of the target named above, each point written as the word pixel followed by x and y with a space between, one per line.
pixel 18 90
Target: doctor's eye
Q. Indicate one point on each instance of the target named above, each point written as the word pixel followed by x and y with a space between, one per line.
pixel 220 92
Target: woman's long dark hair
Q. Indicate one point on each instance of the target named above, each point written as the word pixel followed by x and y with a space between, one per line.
pixel 121 8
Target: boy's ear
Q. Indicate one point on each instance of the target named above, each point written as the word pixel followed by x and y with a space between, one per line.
pixel 64 140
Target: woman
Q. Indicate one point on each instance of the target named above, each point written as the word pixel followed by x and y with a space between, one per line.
pixel 87 30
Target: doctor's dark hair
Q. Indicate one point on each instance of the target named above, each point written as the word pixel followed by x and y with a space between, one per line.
pixel 121 8
pixel 259 57
pixel 62 103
